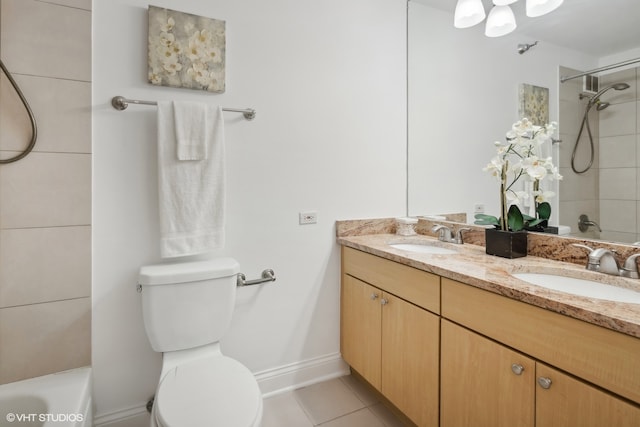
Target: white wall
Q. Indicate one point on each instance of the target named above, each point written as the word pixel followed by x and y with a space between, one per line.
pixel 328 81
pixel 463 96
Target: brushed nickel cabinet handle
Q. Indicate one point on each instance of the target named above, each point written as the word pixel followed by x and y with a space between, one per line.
pixel 517 368
pixel 544 382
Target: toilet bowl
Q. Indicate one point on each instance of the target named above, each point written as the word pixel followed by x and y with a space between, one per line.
pixel 215 391
pixel 187 308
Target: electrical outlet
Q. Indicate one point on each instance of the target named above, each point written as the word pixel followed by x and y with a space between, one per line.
pixel 308 217
pixel 478 208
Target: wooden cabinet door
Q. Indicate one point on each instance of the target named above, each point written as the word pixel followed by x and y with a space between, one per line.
pixel 568 402
pixel 360 339
pixel 410 359
pixel 480 386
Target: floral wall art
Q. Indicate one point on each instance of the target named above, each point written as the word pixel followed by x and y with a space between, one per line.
pixel 534 104
pixel 186 51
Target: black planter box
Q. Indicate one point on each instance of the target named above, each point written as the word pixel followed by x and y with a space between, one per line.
pixel 549 229
pixel 506 244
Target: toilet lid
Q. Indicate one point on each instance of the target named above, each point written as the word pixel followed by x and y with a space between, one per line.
pixel 214 391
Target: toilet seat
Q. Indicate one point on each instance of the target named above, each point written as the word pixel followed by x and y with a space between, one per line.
pixel 213 391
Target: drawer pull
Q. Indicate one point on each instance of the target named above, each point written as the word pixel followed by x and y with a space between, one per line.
pixel 517 368
pixel 374 297
pixel 384 301
pixel 544 382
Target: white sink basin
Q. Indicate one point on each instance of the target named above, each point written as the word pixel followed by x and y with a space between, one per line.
pixel 582 287
pixel 422 248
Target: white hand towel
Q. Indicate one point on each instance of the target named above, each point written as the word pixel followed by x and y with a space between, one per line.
pixel 191 194
pixel 191 120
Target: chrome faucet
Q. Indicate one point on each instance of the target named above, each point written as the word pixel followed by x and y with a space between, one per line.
pixel 459 238
pixel 602 260
pixel 445 234
pixel 630 267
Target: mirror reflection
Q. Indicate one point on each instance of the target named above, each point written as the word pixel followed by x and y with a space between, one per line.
pixel 463 94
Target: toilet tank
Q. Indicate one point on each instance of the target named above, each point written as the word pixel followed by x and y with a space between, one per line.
pixel 189 304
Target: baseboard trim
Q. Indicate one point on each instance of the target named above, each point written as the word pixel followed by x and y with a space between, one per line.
pixel 113 419
pixel 300 374
pixel 271 381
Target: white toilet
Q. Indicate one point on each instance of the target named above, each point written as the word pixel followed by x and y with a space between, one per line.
pixel 187 308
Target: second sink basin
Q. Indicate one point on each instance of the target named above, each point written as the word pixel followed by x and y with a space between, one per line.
pixel 422 248
pixel 581 287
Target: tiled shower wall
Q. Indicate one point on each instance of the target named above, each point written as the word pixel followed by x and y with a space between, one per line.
pixel 45 198
pixel 620 159
pixel 609 193
pixel 578 192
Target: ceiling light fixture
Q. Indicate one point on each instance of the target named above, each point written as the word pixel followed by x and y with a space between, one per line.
pixel 468 13
pixel 501 20
pixel 541 7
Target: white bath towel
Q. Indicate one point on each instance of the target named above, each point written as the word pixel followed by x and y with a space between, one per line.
pixel 190 119
pixel 191 193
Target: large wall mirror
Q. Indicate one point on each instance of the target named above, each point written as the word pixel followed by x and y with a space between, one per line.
pixel 463 96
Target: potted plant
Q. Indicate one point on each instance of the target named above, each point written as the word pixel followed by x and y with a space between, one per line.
pixel 519 158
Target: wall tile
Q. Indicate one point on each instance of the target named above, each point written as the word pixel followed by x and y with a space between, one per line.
pixel 579 187
pixel 617 236
pixel 618 119
pixel 40 339
pixel 45 39
pixel 46 190
pixel 618 184
pixel 31 272
pixel 618 215
pixel 62 109
pixel 618 151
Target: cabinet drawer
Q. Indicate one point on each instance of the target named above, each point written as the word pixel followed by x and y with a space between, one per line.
pixel 416 286
pixel 598 355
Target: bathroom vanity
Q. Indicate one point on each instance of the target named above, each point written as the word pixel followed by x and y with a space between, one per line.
pixel 454 340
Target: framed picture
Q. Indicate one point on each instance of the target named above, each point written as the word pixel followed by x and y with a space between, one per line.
pixel 534 104
pixel 186 51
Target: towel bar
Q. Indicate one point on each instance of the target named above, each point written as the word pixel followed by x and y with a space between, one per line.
pixel 121 103
pixel 267 276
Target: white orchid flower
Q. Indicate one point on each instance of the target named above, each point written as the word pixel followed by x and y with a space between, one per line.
pixel 494 167
pixel 543 196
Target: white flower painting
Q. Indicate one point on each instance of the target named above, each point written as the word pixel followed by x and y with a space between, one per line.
pixel 186 51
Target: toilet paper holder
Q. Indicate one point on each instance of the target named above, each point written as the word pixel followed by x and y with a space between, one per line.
pixel 267 276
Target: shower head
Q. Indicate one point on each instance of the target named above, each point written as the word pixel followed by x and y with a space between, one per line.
pixel 595 99
pixel 616 86
pixel 620 86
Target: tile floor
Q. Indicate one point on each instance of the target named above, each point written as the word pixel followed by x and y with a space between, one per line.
pixel 341 402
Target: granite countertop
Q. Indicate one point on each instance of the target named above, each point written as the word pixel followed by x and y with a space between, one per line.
pixel 471 265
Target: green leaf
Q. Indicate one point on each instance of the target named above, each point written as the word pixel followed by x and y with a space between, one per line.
pixel 514 219
pixel 544 210
pixel 535 222
pixel 483 219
